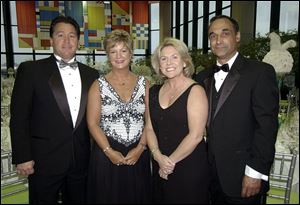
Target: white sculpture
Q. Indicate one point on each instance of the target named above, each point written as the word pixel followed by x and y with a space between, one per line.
pixel 278 56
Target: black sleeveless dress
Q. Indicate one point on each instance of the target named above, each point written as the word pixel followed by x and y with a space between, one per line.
pixel 190 180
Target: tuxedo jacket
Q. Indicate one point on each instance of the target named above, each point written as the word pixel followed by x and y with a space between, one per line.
pixel 41 123
pixel 243 129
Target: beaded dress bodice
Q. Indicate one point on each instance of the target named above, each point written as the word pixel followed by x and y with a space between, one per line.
pixel 122 121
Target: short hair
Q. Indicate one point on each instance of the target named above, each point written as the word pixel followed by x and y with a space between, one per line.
pixel 67 20
pixel 183 51
pixel 118 36
pixel 234 23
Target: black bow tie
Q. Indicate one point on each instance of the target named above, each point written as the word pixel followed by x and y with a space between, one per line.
pixel 62 64
pixel 224 68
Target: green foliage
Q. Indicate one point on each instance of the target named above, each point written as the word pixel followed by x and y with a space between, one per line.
pixel 201 60
pixel 142 66
pixel 256 49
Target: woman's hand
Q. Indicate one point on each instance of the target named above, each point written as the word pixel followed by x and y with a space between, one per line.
pixel 133 155
pixel 115 157
pixel 166 165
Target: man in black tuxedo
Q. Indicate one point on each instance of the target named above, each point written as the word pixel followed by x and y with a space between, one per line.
pixel 49 134
pixel 242 124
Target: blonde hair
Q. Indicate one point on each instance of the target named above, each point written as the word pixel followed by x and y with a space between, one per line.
pixel 118 36
pixel 182 49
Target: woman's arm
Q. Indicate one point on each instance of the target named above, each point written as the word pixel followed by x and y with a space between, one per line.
pixel 197 110
pixel 165 163
pixel 93 121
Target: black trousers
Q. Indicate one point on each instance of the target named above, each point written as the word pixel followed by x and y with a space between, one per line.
pixel 217 195
pixel 69 187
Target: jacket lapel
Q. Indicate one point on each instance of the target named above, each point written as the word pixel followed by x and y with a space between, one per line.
pixel 209 83
pixel 230 82
pixel 57 87
pixel 84 93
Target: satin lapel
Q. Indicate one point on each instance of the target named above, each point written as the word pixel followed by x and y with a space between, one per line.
pixel 83 99
pixel 57 87
pixel 209 83
pixel 229 83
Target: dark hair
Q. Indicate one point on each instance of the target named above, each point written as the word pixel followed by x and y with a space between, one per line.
pixel 234 23
pixel 67 20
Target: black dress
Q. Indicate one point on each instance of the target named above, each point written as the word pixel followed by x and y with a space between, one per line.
pixel 122 122
pixel 190 180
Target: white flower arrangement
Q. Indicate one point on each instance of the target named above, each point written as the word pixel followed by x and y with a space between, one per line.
pixel 278 56
pixel 288 133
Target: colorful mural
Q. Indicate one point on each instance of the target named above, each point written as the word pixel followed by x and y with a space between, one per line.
pixel 95 18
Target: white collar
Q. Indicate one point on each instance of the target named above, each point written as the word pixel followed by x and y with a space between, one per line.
pixel 231 60
pixel 59 58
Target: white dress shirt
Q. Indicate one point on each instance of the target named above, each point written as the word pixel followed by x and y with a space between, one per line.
pixel 72 83
pixel 221 75
pixel 219 79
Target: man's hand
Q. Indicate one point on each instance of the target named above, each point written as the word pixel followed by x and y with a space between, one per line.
pixel 25 168
pixel 250 186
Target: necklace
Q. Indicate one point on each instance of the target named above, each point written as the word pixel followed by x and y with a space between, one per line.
pixel 121 82
pixel 175 93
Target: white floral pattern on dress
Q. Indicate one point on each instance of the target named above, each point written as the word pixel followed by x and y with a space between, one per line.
pixel 122 121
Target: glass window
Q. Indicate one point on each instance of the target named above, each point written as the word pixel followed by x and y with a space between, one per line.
pixel 139 51
pixel 174 13
pixel 154 40
pixel 211 16
pixel 81 51
pixel 83 58
pixel 181 32
pixel 190 35
pixel 200 32
pixel 263 18
pixel 38 57
pixel 3 61
pixel 154 9
pixel 22 58
pixel 13 13
pixel 101 64
pixel 181 12
pixel 226 11
pixel 2 39
pixel 226 3
pixel 289 16
pixel 101 59
pixel 212 6
pixel 49 51
pixel 173 32
pixel 190 10
pixel 200 8
pixel 1 15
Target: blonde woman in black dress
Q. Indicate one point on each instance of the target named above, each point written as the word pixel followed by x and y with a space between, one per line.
pixel 175 128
